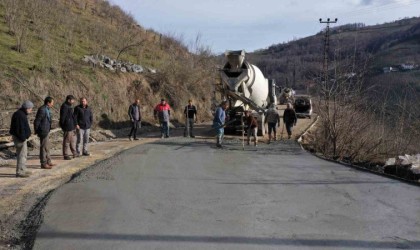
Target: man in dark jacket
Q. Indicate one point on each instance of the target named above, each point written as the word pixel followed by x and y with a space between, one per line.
pixel 289 119
pixel 20 131
pixel 68 125
pixel 134 113
pixel 190 113
pixel 42 127
pixel 84 120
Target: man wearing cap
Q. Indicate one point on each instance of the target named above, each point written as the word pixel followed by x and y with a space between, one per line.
pixel 68 125
pixel 134 113
pixel 163 113
pixel 20 131
pixel 190 113
pixel 42 127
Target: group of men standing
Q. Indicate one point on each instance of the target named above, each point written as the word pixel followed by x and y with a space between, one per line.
pixel 251 123
pixel 74 122
pixel 162 114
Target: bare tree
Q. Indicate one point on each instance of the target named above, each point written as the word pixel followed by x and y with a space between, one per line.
pixel 17 22
pixel 11 15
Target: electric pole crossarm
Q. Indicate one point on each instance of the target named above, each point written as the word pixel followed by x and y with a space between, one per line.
pixel 326 49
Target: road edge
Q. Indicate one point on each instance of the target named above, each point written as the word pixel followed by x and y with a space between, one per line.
pixel 22 235
pixel 299 140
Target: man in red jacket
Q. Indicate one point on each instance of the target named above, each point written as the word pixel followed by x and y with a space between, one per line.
pixel 163 113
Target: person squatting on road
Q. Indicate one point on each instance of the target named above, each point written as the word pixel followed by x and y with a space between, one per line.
pixel 68 125
pixel 190 113
pixel 252 127
pixel 163 113
pixel 273 121
pixel 42 128
pixel 219 122
pixel 289 119
pixel 134 113
pixel 84 120
pixel 20 131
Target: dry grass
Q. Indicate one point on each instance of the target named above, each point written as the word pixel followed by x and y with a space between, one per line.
pixel 59 34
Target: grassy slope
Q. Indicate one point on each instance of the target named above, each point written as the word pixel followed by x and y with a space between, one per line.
pixel 28 76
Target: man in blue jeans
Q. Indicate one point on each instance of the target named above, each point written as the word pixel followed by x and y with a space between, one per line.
pixel 219 122
pixel 163 113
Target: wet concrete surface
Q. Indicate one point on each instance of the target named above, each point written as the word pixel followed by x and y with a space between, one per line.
pixel 182 193
pixel 20 198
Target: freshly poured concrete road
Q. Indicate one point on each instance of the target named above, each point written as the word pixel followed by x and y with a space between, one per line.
pixel 185 194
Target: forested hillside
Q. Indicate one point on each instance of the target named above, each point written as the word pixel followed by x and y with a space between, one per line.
pixel 370 104
pixel 298 63
pixel 43 42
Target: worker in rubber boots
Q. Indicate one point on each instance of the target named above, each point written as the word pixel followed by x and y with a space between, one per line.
pixel 252 127
pixel 219 122
pixel 20 131
pixel 289 119
pixel 273 120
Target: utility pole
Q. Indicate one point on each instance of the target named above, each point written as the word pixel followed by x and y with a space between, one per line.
pixel 326 49
pixel 326 91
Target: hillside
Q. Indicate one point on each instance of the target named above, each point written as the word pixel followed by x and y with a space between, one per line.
pixel 298 62
pixel 385 57
pixel 43 42
pixel 374 86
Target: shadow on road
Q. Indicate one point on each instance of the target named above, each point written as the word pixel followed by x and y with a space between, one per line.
pixel 306 182
pixel 234 240
pixel 233 144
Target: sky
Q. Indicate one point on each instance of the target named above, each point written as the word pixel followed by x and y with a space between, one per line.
pixel 256 24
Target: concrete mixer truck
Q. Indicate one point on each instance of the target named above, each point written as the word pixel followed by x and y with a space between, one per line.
pixel 246 88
